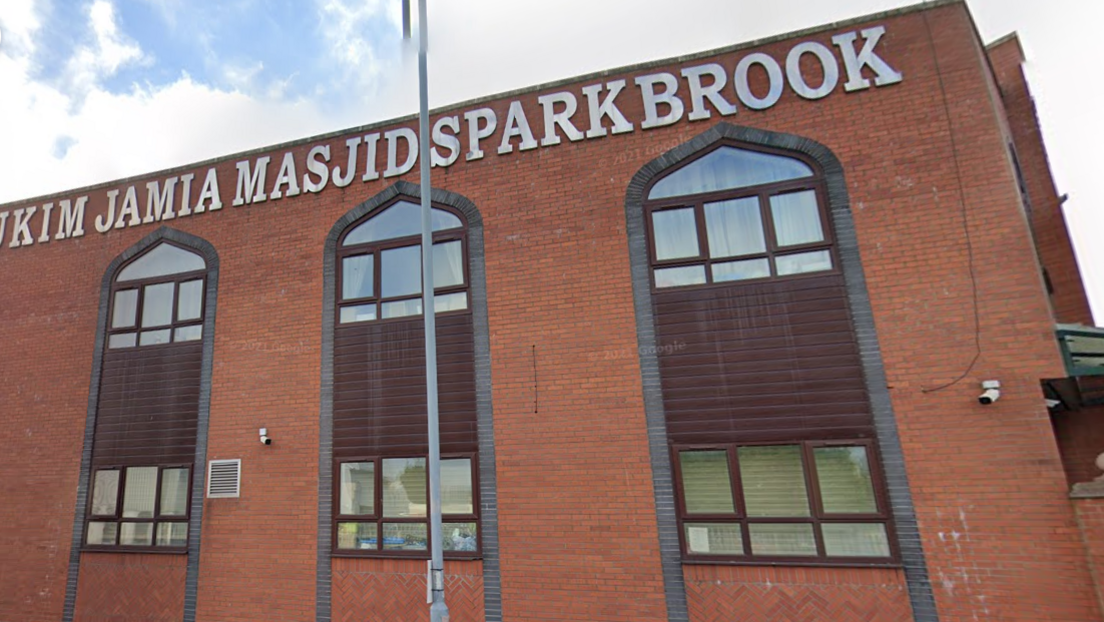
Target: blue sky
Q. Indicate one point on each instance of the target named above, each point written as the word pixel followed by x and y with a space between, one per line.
pixel 95 90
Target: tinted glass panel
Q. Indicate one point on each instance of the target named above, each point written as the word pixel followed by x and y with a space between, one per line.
pixel 714 539
pixel 398 221
pixel 172 534
pixel 741 270
pixel 456 486
pixel 136 534
pixel 188 333
pixel 773 481
pixel 404 537
pixel 706 484
pixel 190 305
pixel 727 168
pixel 357 274
pixel 799 263
pixel 450 302
pixel 401 308
pixel 358 313
pixel 139 492
pixel 105 493
pixel 676 234
pixel 401 271
pixel 358 488
pixel 163 260
pixel 157 304
pixel 356 536
pixel 782 539
pixel 855 539
pixel 459 537
pixel 686 275
pixel 734 227
pixel 174 492
pixel 448 264
pixel 404 487
pixel 796 218
pixel 125 309
pixel 844 477
pixel 125 340
pixel 154 337
pixel 102 533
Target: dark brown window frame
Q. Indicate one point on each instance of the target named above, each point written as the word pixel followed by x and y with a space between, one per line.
pixel 816 518
pixel 139 285
pixel 376 248
pixel 155 520
pixel 762 192
pixel 379 519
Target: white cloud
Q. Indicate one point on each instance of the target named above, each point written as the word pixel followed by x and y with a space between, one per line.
pixel 106 52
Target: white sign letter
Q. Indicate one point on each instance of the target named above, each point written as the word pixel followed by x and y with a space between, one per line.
pixel 370 172
pixel 605 108
pixel 393 169
pixel 45 235
pixel 70 220
pixel 286 177
pixel 130 208
pixel 159 203
pixel 562 119
pixel 185 196
pixel 652 99
pixel 251 187
pixel 883 73
pixel 103 226
pixel 774 76
pixel 448 141
pixel 517 125
pixel 475 133
pixel 318 167
pixel 21 227
pixel 210 193
pixel 827 62
pixel 698 93
pixel 344 180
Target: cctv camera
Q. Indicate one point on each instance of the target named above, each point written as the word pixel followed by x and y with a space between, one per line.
pixel 991 392
pixel 266 440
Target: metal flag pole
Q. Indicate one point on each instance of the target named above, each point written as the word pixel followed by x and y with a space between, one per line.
pixel 438 610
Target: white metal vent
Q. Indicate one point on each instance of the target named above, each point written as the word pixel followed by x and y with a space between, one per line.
pixel 223 478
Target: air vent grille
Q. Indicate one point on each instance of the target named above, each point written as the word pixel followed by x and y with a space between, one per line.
pixel 224 479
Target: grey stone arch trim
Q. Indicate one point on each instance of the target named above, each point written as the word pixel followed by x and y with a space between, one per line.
pixel 210 256
pixel 488 496
pixel 885 423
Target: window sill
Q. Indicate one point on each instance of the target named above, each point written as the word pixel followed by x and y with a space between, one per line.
pixel 807 563
pixel 134 549
pixel 417 556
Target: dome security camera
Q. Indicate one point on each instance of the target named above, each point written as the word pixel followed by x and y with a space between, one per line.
pixel 990 393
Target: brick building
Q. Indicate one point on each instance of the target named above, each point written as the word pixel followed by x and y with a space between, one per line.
pixel 712 332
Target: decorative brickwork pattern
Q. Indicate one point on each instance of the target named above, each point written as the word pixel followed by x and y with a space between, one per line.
pixel 130 587
pixel 383 590
pixel 764 594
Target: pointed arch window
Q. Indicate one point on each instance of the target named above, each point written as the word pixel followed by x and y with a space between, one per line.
pixel 157 299
pixel 735 214
pixel 380 265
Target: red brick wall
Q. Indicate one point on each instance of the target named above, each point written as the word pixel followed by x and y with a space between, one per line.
pixel 1090 517
pixel 766 594
pixel 129 587
pixel 1080 435
pixel 386 590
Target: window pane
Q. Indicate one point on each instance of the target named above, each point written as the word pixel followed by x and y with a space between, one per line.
pixel 401 308
pixel 450 302
pixel 706 484
pixel 404 487
pixel 714 539
pixel 358 488
pixel 448 264
pixel 855 539
pixel 188 333
pixel 172 534
pixel 190 305
pixel 157 304
pixel 741 270
pixel 125 310
pixel 734 227
pixel 401 271
pixel 399 221
pixel 404 537
pixel 796 218
pixel 459 537
pixel 358 313
pixel 686 275
pixel 773 481
pixel 174 492
pixel 844 477
pixel 136 534
pixel 728 168
pixel 782 539
pixel 154 337
pixel 357 274
pixel 102 533
pixel 163 260
pixel 675 233
pixel 105 493
pixel 356 536
pixel 456 486
pixel 817 261
pixel 125 340
pixel 139 492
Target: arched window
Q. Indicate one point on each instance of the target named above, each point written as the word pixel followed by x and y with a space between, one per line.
pixel 158 298
pixel 381 265
pixel 734 215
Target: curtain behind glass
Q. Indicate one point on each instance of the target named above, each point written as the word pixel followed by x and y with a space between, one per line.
pixel 729 168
